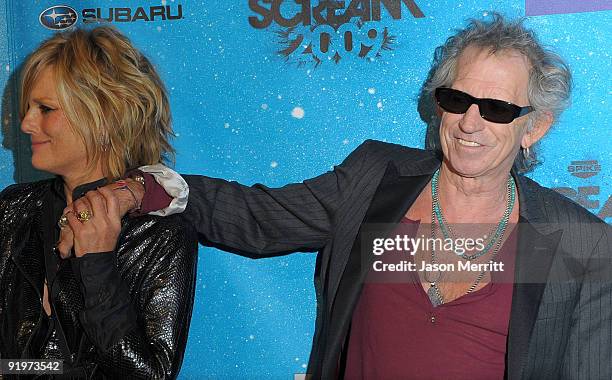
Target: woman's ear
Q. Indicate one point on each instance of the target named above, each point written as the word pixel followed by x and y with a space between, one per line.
pixel 540 127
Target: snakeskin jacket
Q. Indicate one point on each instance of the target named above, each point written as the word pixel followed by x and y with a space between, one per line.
pixel 121 314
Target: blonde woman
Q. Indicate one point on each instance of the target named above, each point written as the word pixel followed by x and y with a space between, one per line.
pixel 93 107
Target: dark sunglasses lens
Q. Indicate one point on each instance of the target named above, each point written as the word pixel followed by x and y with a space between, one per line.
pixel 497 111
pixel 452 100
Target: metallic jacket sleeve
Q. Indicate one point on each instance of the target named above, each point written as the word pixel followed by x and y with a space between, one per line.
pixel 162 298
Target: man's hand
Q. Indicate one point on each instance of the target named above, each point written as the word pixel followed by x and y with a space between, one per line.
pixel 121 201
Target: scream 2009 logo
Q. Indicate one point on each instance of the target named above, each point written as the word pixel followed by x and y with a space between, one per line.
pixel 329 30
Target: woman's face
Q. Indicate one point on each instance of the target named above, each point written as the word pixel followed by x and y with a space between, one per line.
pixel 55 147
pixel 472 146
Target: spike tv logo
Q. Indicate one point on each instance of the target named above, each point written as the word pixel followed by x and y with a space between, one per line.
pixel 584 195
pixel 316 31
pixel 584 169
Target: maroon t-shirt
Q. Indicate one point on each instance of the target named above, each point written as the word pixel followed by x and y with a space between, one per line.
pixel 396 333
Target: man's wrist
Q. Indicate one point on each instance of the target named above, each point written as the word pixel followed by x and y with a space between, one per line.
pixel 136 187
pixel 130 193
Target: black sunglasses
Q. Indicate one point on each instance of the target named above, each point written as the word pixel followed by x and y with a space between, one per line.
pixel 493 110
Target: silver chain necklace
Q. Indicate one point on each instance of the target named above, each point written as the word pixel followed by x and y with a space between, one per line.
pixel 434 294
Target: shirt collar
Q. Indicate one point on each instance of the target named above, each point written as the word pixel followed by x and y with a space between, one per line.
pixel 79 191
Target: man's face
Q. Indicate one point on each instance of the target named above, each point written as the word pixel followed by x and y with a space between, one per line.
pixel 472 146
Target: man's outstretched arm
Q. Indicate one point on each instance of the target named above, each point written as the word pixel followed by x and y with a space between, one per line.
pixel 256 220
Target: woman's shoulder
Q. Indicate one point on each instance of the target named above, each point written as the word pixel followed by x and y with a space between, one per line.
pixel 154 241
pixel 24 194
pixel 18 189
pixel 157 227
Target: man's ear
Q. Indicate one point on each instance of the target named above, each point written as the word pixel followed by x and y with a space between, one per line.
pixel 439 111
pixel 540 127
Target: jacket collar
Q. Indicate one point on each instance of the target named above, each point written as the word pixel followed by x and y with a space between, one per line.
pixel 57 188
pixel 538 242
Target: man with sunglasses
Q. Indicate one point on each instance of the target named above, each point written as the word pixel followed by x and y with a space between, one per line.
pixel 498 92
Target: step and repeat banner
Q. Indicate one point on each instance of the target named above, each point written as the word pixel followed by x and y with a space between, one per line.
pixel 268 91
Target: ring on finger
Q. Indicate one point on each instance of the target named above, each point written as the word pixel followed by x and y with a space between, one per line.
pixel 84 216
pixel 63 220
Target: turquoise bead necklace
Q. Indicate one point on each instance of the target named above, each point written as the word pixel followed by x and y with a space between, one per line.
pixel 446 228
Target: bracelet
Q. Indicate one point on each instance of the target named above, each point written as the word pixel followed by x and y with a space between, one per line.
pixel 122 185
pixel 137 204
pixel 140 179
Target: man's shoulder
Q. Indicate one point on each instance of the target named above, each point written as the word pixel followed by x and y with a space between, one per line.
pixel 555 207
pixel 408 160
pixel 382 148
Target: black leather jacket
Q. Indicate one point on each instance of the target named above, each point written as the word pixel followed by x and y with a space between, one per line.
pixel 127 320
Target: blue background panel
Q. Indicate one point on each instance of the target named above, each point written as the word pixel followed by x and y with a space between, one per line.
pixel 244 112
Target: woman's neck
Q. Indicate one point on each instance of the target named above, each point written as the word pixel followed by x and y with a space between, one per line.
pixel 71 182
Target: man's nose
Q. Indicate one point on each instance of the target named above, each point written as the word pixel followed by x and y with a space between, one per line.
pixel 471 121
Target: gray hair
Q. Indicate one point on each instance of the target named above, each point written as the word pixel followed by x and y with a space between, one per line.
pixel 550 80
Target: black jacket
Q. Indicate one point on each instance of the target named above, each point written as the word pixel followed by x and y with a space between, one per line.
pixel 124 314
pixel 561 315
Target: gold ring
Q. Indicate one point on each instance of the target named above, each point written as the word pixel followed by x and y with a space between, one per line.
pixel 84 216
pixel 63 221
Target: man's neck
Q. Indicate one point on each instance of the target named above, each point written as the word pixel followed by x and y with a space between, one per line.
pixel 472 200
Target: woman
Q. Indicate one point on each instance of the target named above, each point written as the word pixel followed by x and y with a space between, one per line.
pixel 498 91
pixel 93 107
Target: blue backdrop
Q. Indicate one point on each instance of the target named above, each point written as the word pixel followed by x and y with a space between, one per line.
pixel 251 105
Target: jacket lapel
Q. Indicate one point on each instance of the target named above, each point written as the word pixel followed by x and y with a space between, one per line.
pixel 23 310
pixel 393 197
pixel 534 257
pixel 29 262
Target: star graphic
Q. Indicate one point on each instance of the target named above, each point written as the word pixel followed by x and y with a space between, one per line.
pixel 53 15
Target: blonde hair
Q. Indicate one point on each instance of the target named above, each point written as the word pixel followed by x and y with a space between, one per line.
pixel 111 95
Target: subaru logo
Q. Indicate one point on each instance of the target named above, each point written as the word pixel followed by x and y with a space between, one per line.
pixel 58 17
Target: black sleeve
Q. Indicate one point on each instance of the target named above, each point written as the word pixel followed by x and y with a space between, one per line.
pixel 108 312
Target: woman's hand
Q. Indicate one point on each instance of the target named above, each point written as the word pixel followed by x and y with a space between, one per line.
pixel 94 221
pixel 124 198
